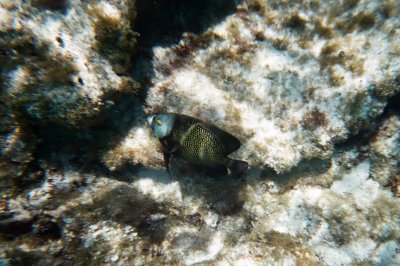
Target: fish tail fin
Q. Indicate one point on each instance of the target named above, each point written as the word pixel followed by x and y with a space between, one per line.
pixel 237 167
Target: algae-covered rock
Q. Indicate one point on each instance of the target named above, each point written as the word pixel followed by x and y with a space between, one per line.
pixel 55 67
pixel 310 88
pixel 17 145
pixel 283 77
pixel 60 65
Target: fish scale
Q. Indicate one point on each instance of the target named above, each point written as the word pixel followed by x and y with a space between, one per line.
pixel 198 144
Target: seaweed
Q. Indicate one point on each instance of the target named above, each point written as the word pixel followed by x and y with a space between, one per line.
pixel 296 22
pixel 116 40
pixel 362 21
pixel 280 44
pixel 314 119
pixel 322 30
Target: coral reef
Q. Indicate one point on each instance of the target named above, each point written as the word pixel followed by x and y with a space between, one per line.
pixel 57 68
pixel 298 90
pixel 321 212
pixel 52 68
pixel 311 88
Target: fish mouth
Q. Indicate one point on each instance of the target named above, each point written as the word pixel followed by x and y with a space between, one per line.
pixel 150 118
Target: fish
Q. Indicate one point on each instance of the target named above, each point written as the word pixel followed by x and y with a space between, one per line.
pixel 196 141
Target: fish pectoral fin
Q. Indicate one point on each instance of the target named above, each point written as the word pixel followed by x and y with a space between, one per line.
pixel 166 161
pixel 170 146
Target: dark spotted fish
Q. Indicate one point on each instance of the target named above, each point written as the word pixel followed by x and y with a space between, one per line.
pixel 194 140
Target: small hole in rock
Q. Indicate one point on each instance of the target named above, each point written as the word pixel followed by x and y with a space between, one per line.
pixel 60 41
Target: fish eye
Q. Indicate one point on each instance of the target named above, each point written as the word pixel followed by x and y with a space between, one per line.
pixel 159 122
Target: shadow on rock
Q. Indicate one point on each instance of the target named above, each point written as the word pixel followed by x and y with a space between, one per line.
pixel 129 173
pixel 222 193
pixel 84 146
pixel 305 168
pixel 125 205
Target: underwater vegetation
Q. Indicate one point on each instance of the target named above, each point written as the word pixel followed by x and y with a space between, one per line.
pixel 309 91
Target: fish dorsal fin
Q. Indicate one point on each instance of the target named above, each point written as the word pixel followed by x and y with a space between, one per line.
pixel 229 142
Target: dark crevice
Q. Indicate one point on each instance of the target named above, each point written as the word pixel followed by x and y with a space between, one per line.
pixel 12 228
pixel 364 136
pixel 393 104
pixel 55 5
pixel 42 226
pixel 162 23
